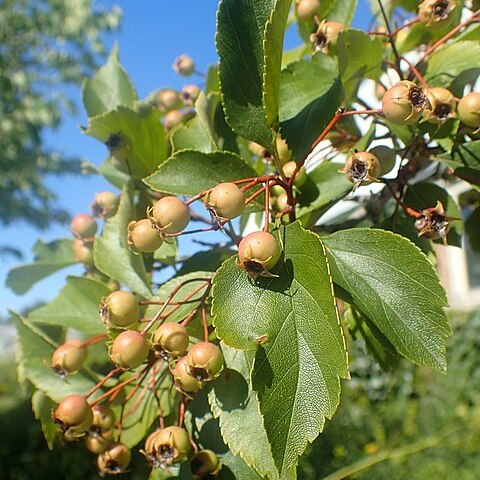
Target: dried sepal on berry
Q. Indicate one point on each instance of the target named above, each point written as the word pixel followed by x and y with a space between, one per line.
pixel 405 102
pixel 166 447
pixel 442 103
pixel 185 383
pixel 204 361
pixel 437 13
pixel 326 35
pixel 119 309
pixel 434 223
pixel 362 168
pixel 169 215
pixel 143 237
pixel 73 416
pixel 114 460
pixel 104 204
pixel 170 339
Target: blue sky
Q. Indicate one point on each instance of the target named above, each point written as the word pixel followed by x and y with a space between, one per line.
pixel 152 34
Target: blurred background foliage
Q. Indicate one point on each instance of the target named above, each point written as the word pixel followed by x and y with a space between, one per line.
pixel 408 423
pixel 45 47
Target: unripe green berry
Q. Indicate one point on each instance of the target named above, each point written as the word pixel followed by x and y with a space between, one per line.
pixel 469 109
pixel 205 361
pixel 171 338
pixel 404 103
pixel 184 382
pixel 258 252
pixel 143 236
pixel 184 65
pixel 115 459
pixel 170 215
pixel 104 204
pixel 165 447
pixel 226 200
pixel 204 463
pixel 386 156
pixel 168 99
pixel 83 226
pixel 69 358
pixel 98 443
pixel 301 175
pixel 120 308
pixel 442 104
pixel 130 349
pixel 103 419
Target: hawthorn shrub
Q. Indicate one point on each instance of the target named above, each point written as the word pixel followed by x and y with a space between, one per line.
pixel 229 366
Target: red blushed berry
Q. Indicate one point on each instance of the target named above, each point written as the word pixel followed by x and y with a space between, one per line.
pixel 73 416
pixel 258 252
pixel 69 358
pixel 184 65
pixel 83 226
pixel 205 361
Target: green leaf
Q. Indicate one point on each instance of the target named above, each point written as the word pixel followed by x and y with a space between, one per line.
pixel 236 406
pixel 240 39
pixel 139 415
pixel 34 354
pixel 207 260
pixel 448 62
pixel 42 407
pixel 324 187
pixel 189 172
pixel 341 11
pixel 112 255
pixel 143 134
pixel 49 258
pixel 468 154
pixel 394 285
pixel 110 171
pixel 273 45
pixel 472 229
pixel 310 93
pixel 423 195
pixel 292 324
pixel 109 88
pixel 167 252
pixel 359 56
pixel 75 307
pixel 193 281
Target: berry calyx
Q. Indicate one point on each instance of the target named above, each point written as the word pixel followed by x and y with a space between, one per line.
pixel 437 13
pixel 69 358
pixel 165 447
pixel 167 99
pixel 169 215
pixel 73 415
pixel 433 223
pixel 443 105
pixel 362 168
pixel 115 459
pixel 386 156
pixel 404 103
pixel 104 204
pixel 469 109
pixel 300 177
pixel 184 382
pixel 83 252
pixel 305 9
pixel 143 236
pixel 184 65
pixel 83 226
pixel 120 308
pixel 170 338
pixel 130 349
pixel 226 200
pixel 258 252
pixel 204 463
pixel 205 361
